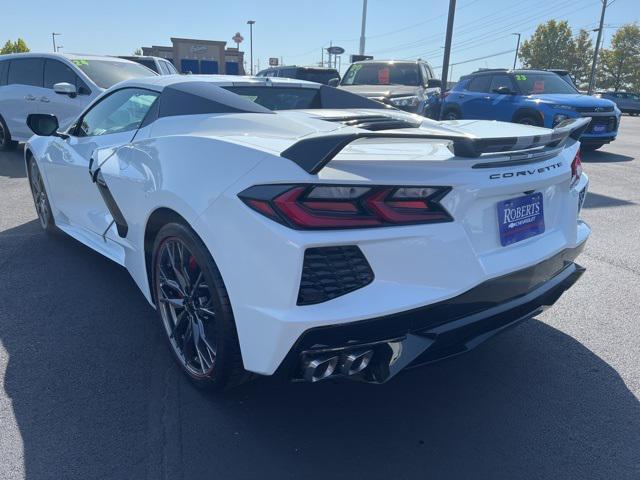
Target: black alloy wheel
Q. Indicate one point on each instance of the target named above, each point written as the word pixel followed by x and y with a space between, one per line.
pixel 40 199
pixel 194 308
pixel 5 137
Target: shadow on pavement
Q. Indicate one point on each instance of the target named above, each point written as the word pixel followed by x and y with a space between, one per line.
pixel 595 200
pixel 12 163
pixel 96 395
pixel 604 157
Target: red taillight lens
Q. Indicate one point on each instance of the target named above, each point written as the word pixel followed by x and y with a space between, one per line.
pixel 576 168
pixel 347 206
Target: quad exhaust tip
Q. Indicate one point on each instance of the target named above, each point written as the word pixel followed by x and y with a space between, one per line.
pixel 320 368
pixel 348 364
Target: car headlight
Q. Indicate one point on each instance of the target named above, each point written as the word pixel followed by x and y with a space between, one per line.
pixel 410 101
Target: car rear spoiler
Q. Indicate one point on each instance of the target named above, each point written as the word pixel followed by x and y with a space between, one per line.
pixel 312 153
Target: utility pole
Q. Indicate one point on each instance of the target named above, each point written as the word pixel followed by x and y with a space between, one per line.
pixel 53 37
pixel 447 48
pixel 592 77
pixel 515 59
pixel 251 23
pixel 364 26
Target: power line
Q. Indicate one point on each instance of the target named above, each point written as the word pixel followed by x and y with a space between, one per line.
pixel 481 58
pixel 475 41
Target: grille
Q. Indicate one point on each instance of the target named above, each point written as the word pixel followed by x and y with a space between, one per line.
pixel 594 109
pixel 608 122
pixel 329 272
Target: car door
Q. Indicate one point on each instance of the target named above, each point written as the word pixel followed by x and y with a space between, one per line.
pixel 501 106
pixel 21 95
pixel 473 101
pixel 65 107
pixel 111 122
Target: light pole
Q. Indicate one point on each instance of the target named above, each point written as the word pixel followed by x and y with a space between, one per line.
pixel 515 59
pixel 447 48
pixel 250 23
pixel 53 37
pixel 592 77
pixel 364 26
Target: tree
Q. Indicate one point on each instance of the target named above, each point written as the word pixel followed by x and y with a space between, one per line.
pixel 580 58
pixel 138 51
pixel 620 64
pixel 549 47
pixel 19 46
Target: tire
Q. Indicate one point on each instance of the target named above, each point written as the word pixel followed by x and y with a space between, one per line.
pixel 195 311
pixel 529 120
pixel 40 198
pixel 5 137
pixel 590 147
pixel 452 114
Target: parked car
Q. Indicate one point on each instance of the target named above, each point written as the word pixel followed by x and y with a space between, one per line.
pixel 60 84
pixel 161 66
pixel 311 74
pixel 627 102
pixel 402 84
pixel 270 242
pixel 532 97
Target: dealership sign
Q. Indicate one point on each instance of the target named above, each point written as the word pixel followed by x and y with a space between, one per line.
pixel 335 50
pixel 237 38
pixel 198 48
pixel 273 62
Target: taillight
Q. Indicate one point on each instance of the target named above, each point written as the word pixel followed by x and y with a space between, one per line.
pixel 576 168
pixel 309 206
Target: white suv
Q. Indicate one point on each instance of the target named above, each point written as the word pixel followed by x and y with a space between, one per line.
pixel 59 84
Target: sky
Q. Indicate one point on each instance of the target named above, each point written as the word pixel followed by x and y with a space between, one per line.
pixel 297 31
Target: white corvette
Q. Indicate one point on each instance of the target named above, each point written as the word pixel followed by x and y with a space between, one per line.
pixel 284 227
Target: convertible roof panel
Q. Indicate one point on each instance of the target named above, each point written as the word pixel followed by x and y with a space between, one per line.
pixel 194 98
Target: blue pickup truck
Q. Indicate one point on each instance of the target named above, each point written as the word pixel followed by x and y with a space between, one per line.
pixel 533 97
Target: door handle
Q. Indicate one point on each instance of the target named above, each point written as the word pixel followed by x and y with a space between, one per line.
pixel 44 99
pixel 30 98
pixel 487 98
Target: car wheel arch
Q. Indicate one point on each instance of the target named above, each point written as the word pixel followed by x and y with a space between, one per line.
pixel 160 217
pixel 528 112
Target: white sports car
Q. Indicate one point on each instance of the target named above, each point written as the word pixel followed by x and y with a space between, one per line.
pixel 285 227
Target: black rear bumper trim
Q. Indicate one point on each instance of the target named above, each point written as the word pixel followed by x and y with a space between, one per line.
pixel 449 327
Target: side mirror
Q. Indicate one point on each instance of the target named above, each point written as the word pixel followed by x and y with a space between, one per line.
pixel 502 91
pixel 64 88
pixel 43 124
pixel 434 83
pixel 334 82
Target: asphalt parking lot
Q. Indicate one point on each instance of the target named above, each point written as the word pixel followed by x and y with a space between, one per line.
pixel 89 390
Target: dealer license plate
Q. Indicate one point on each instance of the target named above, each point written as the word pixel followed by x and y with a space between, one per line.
pixel 520 218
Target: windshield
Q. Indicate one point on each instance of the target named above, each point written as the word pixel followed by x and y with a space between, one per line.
pixel 382 74
pixel 279 98
pixel 106 73
pixel 317 75
pixel 540 83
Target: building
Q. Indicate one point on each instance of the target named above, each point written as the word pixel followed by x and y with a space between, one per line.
pixel 200 56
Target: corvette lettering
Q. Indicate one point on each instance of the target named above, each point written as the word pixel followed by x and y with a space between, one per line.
pixel 522 173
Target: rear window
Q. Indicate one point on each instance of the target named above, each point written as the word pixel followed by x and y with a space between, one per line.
pixel 480 84
pixel 26 71
pixel 317 75
pixel 4 69
pixel 106 73
pixel 279 98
